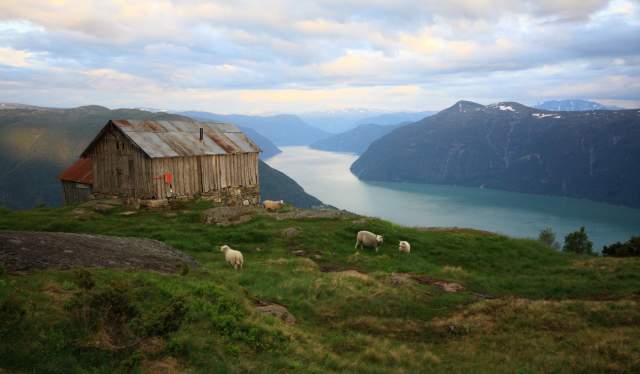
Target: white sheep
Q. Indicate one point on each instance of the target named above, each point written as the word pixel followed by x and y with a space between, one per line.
pixel 404 246
pixel 232 256
pixel 368 239
pixel 273 205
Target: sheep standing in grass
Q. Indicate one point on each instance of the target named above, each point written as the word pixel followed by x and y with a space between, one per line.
pixel 368 239
pixel 273 205
pixel 404 246
pixel 232 256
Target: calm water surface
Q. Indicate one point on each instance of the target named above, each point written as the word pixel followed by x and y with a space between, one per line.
pixel 326 175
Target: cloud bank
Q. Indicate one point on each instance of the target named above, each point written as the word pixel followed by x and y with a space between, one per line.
pixel 291 56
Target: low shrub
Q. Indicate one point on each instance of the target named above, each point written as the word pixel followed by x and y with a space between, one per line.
pixel 228 318
pixel 83 279
pixel 630 248
pixel 548 237
pixel 166 320
pixel 110 307
pixel 12 313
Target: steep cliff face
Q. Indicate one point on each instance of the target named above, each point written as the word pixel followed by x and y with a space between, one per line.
pixel 592 154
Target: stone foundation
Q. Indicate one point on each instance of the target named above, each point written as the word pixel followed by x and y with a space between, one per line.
pixel 235 196
pixel 230 196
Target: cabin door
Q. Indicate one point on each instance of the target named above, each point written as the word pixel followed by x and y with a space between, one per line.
pixel 200 177
pixel 131 178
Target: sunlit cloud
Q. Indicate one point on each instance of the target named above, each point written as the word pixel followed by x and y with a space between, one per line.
pixel 289 56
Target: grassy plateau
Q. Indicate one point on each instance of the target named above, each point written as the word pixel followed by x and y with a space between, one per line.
pixel 524 308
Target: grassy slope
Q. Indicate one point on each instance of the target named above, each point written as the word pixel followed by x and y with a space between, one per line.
pixel 548 311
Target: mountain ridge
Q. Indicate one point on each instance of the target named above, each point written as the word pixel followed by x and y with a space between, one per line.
pixel 513 147
pixel 281 129
pixel 574 105
pixel 356 140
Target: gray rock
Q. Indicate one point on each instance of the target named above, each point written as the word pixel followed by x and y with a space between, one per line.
pixel 277 311
pixel 290 232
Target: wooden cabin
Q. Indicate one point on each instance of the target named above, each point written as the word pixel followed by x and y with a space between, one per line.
pixel 76 181
pixel 152 161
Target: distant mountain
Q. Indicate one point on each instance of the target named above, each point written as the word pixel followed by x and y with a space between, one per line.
pixel 275 185
pixel 573 105
pixel 19 106
pixel 268 148
pixel 509 146
pixel 395 118
pixel 356 140
pixel 36 144
pixel 283 129
pixel 339 121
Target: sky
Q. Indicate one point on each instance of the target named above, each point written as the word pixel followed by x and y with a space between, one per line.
pixel 291 56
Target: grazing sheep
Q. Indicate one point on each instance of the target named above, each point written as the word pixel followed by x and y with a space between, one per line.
pixel 232 256
pixel 404 246
pixel 273 205
pixel 368 239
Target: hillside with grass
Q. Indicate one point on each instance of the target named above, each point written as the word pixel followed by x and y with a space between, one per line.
pixel 461 301
pixel 37 144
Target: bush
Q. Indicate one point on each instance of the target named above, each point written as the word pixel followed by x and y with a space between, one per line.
pixel 166 321
pixel 111 306
pixel 630 248
pixel 184 269
pixel 578 242
pixel 12 313
pixel 83 279
pixel 548 237
pixel 229 319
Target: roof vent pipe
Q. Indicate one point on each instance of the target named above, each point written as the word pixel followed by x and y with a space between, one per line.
pixel 201 134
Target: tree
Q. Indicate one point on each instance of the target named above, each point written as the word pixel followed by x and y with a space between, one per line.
pixel 578 242
pixel 627 249
pixel 548 237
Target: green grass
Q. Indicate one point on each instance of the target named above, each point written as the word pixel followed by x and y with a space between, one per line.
pixel 546 310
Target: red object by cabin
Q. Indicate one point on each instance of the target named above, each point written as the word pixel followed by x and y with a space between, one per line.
pixel 168 178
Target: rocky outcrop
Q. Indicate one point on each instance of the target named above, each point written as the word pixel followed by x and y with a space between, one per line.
pixel 24 250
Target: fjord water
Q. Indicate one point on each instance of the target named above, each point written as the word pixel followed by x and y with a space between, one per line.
pixel 326 175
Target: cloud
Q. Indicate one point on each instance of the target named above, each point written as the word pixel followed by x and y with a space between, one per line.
pixel 294 56
pixel 15 58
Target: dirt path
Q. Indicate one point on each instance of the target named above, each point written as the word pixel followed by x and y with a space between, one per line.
pixel 26 250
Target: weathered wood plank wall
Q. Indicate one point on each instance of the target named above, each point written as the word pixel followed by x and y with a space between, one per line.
pixel 121 168
pixel 112 171
pixel 204 174
pixel 75 193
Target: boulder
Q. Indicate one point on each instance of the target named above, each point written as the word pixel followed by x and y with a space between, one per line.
pixel 290 232
pixel 228 215
pixel 277 311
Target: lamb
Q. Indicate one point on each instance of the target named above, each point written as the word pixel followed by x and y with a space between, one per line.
pixel 232 256
pixel 404 246
pixel 273 205
pixel 368 239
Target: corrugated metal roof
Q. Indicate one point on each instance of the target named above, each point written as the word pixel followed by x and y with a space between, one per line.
pixel 159 139
pixel 80 172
